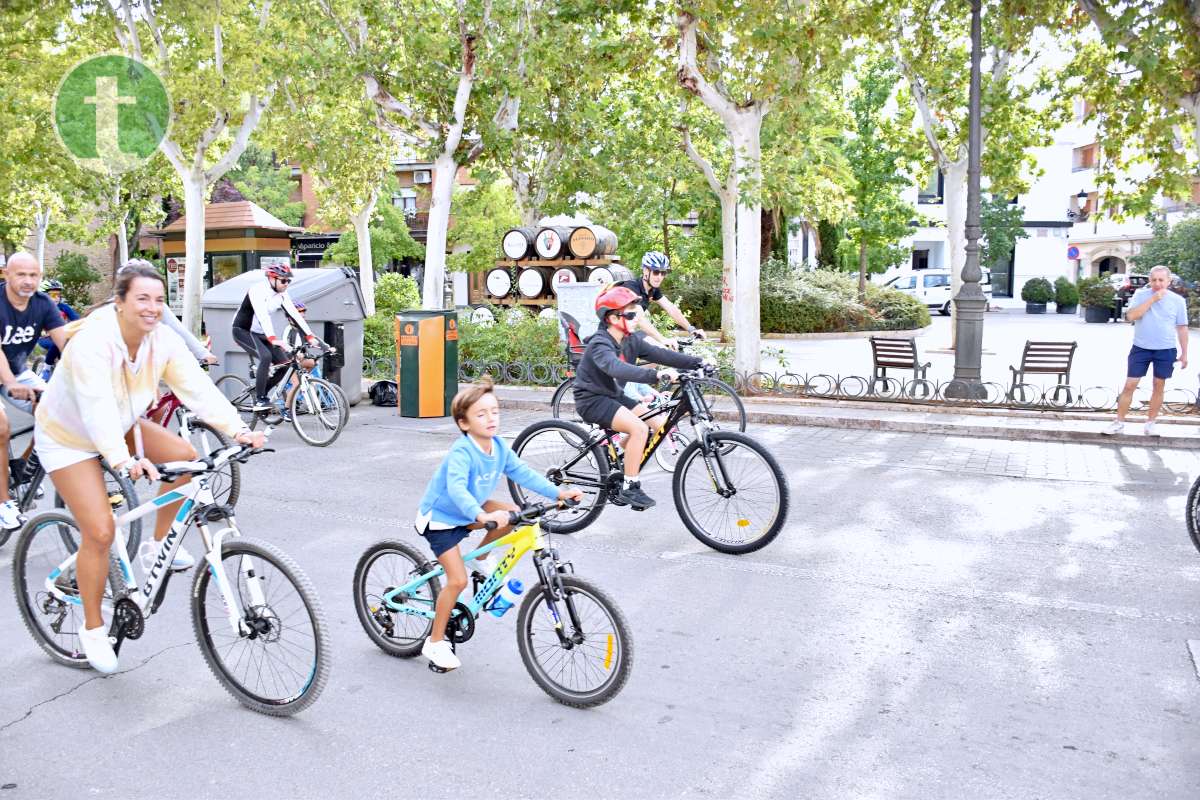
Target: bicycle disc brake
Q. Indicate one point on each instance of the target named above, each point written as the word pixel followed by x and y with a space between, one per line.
pixel 461 627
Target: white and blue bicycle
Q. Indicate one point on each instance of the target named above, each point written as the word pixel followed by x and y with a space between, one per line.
pixel 256 616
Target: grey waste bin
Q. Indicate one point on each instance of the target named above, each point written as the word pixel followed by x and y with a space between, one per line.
pixel 335 312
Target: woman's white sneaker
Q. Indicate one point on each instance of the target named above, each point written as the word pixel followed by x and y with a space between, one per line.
pixel 10 515
pixel 183 560
pixel 98 649
pixel 440 654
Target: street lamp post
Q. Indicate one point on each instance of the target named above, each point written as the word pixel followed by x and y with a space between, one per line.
pixel 970 304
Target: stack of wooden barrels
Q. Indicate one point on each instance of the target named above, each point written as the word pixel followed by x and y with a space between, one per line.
pixel 536 260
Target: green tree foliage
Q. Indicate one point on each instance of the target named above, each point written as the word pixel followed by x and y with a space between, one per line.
pixel 482 214
pixel 1001 225
pixel 263 180
pixel 395 293
pixel 77 278
pixel 1142 86
pixel 390 241
pixel 881 159
pixel 1177 247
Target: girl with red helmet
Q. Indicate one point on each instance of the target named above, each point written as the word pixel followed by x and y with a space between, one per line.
pixel 609 361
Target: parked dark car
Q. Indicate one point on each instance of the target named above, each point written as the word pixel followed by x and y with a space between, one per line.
pixel 1129 285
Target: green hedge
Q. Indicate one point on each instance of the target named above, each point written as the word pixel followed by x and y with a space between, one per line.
pixel 820 301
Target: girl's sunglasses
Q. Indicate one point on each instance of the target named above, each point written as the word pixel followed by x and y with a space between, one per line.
pixel 627 314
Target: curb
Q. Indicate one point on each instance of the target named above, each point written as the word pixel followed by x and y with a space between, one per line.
pixel 942 427
pixel 910 333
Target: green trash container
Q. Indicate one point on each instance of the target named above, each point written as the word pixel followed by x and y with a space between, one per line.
pixel 427 362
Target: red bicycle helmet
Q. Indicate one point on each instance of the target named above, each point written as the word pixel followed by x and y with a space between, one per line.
pixel 278 270
pixel 614 299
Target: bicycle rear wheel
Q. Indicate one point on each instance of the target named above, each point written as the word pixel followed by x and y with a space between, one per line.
pixel 383 567
pixel 317 412
pixel 281 665
pixel 1192 513
pixel 594 664
pixel 723 401
pixel 226 483
pixel 123 497
pixel 54 624
pixel 744 506
pixel 548 447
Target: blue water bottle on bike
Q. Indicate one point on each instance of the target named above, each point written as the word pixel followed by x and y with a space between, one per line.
pixel 507 597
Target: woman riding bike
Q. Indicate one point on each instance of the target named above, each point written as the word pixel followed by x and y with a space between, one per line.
pixel 266 307
pixel 103 385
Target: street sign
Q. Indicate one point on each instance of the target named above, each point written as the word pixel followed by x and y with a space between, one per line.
pixel 1072 252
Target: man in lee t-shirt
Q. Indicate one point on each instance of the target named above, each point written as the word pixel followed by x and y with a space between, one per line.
pixel 24 314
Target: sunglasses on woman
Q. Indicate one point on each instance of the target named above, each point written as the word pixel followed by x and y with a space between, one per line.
pixel 627 314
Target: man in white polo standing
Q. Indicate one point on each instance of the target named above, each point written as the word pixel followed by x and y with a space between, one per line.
pixel 1160 338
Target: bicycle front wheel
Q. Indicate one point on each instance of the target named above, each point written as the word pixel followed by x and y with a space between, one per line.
pixel 53 623
pixel 122 497
pixel 317 412
pixel 238 392
pixel 383 567
pixel 226 483
pixel 564 394
pixel 592 665
pixel 674 442
pixel 733 495
pixel 278 662
pixel 1193 514
pixel 559 450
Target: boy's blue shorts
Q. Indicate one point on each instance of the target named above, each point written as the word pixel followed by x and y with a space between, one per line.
pixel 442 540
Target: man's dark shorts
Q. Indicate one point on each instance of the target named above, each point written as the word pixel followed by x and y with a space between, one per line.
pixel 442 540
pixel 600 409
pixel 1140 360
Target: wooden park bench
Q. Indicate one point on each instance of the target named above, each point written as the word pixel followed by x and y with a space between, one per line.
pixel 1044 358
pixel 894 354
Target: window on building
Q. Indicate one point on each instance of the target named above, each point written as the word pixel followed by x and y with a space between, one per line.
pixel 406 201
pixel 1084 157
pixel 934 189
pixel 1082 108
pixel 1079 209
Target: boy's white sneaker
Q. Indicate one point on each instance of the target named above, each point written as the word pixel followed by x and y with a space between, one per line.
pixel 1149 427
pixel 98 649
pixel 440 654
pixel 1114 428
pixel 483 565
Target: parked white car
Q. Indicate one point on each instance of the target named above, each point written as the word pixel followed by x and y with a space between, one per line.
pixel 932 287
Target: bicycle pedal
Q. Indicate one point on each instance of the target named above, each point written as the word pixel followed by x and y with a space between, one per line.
pixel 435 668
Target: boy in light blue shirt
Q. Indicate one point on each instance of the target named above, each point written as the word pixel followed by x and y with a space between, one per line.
pixel 456 502
pixel 1159 318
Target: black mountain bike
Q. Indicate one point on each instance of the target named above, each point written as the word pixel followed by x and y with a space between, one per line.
pixel 729 490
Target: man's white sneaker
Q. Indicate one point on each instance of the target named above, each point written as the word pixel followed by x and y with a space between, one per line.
pixel 183 560
pixel 440 654
pixel 1148 429
pixel 11 517
pixel 1114 428
pixel 98 649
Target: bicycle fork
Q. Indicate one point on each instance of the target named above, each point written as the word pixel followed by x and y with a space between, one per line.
pixel 549 575
pixel 238 622
pixel 721 482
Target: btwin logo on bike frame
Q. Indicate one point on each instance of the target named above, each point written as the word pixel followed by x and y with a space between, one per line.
pixel 163 551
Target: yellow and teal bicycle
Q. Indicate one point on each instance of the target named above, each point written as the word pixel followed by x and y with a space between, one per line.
pixel 572 638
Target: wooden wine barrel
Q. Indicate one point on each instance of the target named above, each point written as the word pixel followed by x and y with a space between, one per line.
pixel 600 275
pixel 499 283
pixel 551 241
pixel 590 241
pixel 562 275
pixel 517 243
pixel 533 281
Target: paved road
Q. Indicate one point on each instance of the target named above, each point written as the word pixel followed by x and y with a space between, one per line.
pixel 942 618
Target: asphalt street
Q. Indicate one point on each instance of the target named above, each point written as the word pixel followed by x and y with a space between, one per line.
pixel 941 618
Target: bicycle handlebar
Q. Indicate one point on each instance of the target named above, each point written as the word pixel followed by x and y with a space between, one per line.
pixel 530 513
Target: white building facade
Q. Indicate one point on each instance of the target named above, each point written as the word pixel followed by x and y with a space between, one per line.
pixel 1068 233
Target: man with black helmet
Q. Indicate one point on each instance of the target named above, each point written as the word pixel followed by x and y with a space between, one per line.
pixel 648 288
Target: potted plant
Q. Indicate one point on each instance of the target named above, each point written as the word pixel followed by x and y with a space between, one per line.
pixel 1036 293
pixel 1066 296
pixel 1097 296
